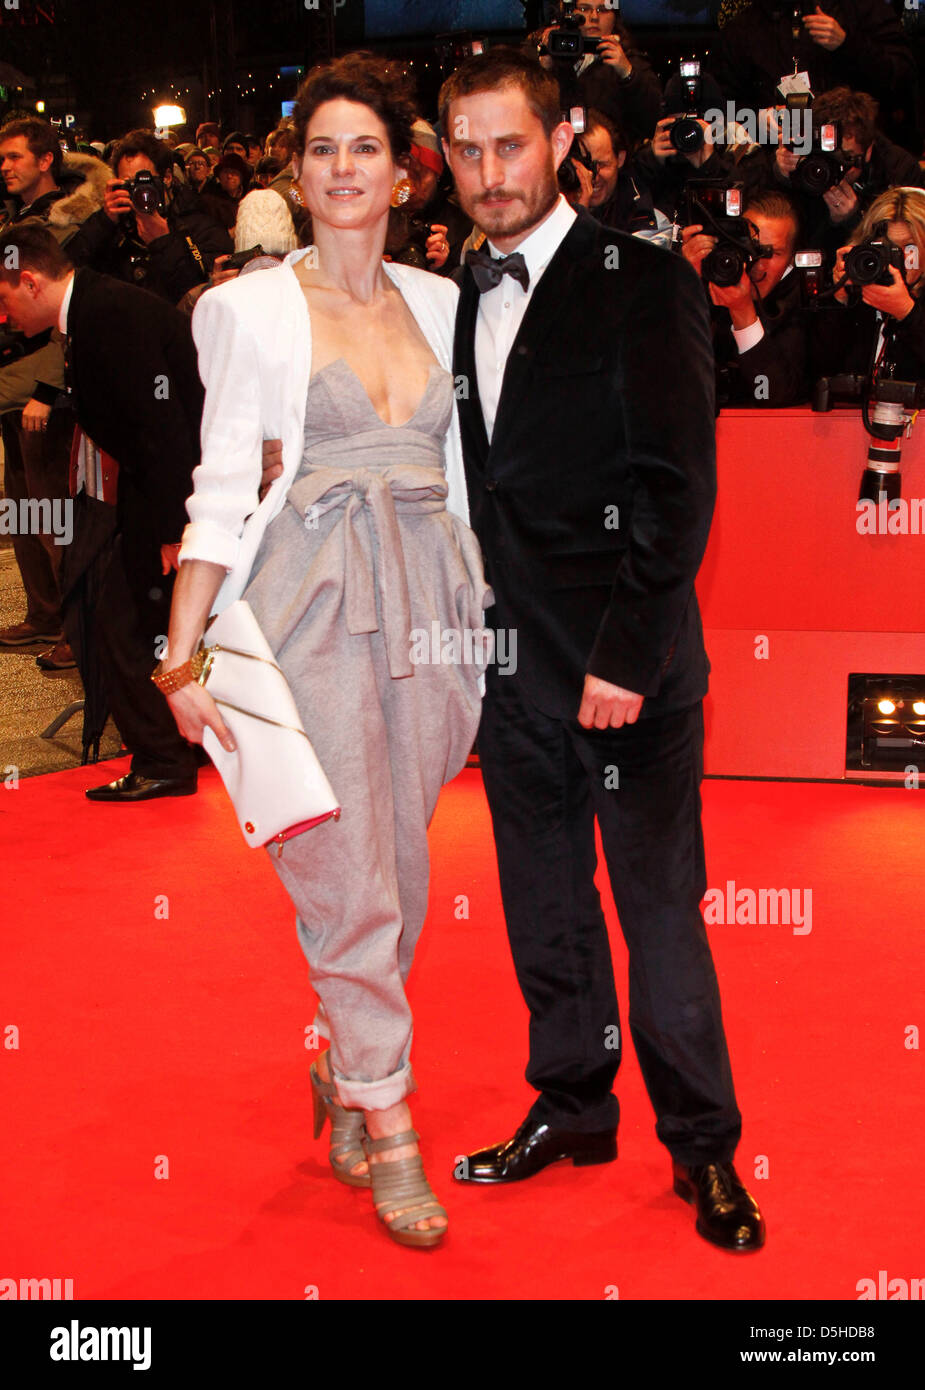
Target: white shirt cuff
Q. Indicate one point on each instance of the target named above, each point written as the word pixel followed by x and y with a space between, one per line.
pixel 747 337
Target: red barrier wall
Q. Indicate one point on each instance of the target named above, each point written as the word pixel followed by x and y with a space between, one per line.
pixel 786 563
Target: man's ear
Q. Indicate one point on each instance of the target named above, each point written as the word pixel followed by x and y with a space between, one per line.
pixel 446 151
pixel 621 159
pixel 561 140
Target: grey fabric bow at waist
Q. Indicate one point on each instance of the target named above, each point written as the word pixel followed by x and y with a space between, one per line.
pixel 381 493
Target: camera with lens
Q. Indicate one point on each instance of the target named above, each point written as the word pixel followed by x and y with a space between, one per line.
pixel 565 39
pixel 717 207
pixel 686 133
pixel 569 182
pixel 147 195
pixel 869 262
pixel 823 167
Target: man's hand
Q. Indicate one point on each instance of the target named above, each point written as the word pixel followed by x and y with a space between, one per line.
pixel 116 200
pixel 585 185
pixel 35 416
pixel 438 248
pixel 786 161
pixel 170 557
pixel 841 201
pixel 892 299
pixel 151 226
pixel 606 706
pixel 738 299
pixel 824 30
pixel 219 273
pixel 272 464
pixel 610 51
pixel 696 245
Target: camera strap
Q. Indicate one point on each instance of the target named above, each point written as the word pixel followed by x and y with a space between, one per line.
pixel 197 257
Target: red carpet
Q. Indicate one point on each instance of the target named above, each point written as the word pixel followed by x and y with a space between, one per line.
pixel 143 1035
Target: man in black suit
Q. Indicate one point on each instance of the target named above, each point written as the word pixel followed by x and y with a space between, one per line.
pixel 588 435
pixel 138 396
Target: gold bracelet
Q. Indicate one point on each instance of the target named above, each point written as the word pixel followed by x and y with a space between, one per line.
pixel 169 681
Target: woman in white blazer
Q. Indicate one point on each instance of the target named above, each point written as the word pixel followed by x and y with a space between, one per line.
pixel 355 559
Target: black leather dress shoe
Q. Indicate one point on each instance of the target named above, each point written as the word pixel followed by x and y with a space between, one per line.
pixel 134 787
pixel 533 1148
pixel 727 1213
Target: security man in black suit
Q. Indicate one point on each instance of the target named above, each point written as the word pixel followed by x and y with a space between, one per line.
pixel 588 436
pixel 137 394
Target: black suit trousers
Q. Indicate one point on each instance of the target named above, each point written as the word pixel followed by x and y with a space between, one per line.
pixel 546 779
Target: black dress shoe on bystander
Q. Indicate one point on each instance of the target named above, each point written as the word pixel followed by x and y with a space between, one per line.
pixel 727 1213
pixel 534 1147
pixel 134 787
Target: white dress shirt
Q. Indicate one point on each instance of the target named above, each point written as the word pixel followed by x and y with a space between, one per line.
pixel 502 308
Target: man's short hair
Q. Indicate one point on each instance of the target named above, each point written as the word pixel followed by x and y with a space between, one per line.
pixel 142 142
pixel 40 136
pixel 857 112
pixel 598 120
pixel 504 67
pixel 773 202
pixel 30 246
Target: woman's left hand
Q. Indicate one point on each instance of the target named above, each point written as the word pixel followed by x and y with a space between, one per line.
pixel 894 299
pixel 438 248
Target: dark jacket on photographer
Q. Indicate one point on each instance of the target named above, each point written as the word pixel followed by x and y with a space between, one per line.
pixel 757 48
pixel 630 208
pixel 408 232
pixel 34 367
pixel 665 183
pixel 845 339
pixel 168 266
pixel 774 372
pixel 634 103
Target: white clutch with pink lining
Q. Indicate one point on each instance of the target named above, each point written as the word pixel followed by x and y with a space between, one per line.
pixel 275 781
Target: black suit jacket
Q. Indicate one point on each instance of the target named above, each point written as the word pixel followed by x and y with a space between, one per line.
pixel 138 395
pixel 607 402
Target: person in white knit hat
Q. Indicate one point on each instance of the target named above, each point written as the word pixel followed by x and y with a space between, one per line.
pixel 263 220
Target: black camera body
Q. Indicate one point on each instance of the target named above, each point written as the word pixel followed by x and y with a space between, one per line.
pixel 568 179
pixel 717 207
pixel 565 39
pixel 869 262
pixel 823 167
pixel 147 194
pixel 686 133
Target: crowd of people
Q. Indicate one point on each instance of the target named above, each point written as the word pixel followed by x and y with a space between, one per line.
pixel 368 230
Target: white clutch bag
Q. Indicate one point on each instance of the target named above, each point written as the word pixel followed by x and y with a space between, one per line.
pixel 274 779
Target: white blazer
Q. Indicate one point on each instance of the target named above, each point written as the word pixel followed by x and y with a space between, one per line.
pixel 253 335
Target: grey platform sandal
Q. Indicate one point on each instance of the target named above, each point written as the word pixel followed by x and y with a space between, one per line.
pixel 401 1185
pixel 348 1130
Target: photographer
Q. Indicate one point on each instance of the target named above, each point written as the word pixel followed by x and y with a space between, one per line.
pixel 664 168
pixel 614 198
pixel 759 331
pixel 871 164
pixel 430 228
pixel 166 250
pixel 879 328
pixel 616 78
pixel 853 43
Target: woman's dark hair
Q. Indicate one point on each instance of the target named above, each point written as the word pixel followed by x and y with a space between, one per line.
pixel 368 80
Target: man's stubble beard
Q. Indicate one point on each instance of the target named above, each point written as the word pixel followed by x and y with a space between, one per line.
pixel 534 209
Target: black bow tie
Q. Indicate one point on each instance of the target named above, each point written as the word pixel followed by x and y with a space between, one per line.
pixel 489 270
